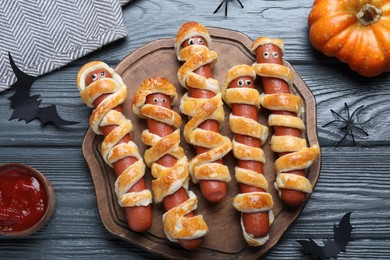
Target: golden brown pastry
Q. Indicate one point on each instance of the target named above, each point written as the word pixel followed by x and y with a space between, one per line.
pixel 286 109
pixel 239 93
pixel 103 89
pixel 202 104
pixel 173 174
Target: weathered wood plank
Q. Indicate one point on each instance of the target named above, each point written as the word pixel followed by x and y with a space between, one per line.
pixel 258 18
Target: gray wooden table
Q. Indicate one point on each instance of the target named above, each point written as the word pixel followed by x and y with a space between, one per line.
pixel 353 178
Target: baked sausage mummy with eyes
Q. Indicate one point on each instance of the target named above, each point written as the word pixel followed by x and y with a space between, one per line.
pixel 286 108
pixel 103 89
pixel 168 163
pixel 204 107
pixel 254 202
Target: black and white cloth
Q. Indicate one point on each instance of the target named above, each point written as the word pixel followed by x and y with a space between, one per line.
pixel 44 35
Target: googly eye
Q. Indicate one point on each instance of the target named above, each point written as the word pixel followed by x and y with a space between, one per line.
pixel 94 77
pixel 241 83
pixel 275 54
pixel 164 100
pixel 103 74
pixel 155 100
pixel 191 41
pixel 200 41
pixel 248 82
pixel 266 55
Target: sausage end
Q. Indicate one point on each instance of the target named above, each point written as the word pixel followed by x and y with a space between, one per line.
pixel 190 244
pixel 292 198
pixel 139 219
pixel 213 191
pixel 256 223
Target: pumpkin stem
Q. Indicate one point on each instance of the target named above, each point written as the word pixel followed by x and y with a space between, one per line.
pixel 369 14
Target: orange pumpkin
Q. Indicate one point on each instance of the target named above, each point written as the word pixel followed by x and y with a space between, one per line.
pixel 357 32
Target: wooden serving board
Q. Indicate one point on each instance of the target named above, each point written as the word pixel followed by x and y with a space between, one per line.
pixel 224 239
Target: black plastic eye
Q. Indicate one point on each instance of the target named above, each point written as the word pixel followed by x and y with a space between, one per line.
pixel 103 73
pixel 266 55
pixel 155 100
pixel 164 100
pixel 248 82
pixel 275 54
pixel 94 77
pixel 240 83
pixel 200 41
pixel 191 41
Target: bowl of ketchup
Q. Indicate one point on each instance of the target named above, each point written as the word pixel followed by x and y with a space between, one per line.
pixel 27 200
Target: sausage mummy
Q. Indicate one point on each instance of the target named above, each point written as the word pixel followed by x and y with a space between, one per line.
pixel 103 89
pixel 254 202
pixel 285 107
pixel 169 165
pixel 204 107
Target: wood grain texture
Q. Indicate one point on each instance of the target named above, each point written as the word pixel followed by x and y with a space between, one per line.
pixel 352 178
pixel 220 242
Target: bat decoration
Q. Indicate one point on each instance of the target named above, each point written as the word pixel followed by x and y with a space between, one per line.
pixel 26 107
pixel 331 247
pixel 226 6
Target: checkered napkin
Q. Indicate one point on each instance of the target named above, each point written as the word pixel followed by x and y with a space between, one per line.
pixel 44 35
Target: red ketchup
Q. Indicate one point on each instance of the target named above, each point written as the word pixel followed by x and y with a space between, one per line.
pixel 23 200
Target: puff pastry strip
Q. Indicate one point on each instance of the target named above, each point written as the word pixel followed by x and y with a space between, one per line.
pixel 255 201
pixel 168 179
pixel 199 110
pixel 105 115
pixel 295 155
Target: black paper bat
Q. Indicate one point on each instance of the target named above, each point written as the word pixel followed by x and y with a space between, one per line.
pixel 342 235
pixel 26 107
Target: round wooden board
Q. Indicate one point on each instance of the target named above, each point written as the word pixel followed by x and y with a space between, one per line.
pixel 224 239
